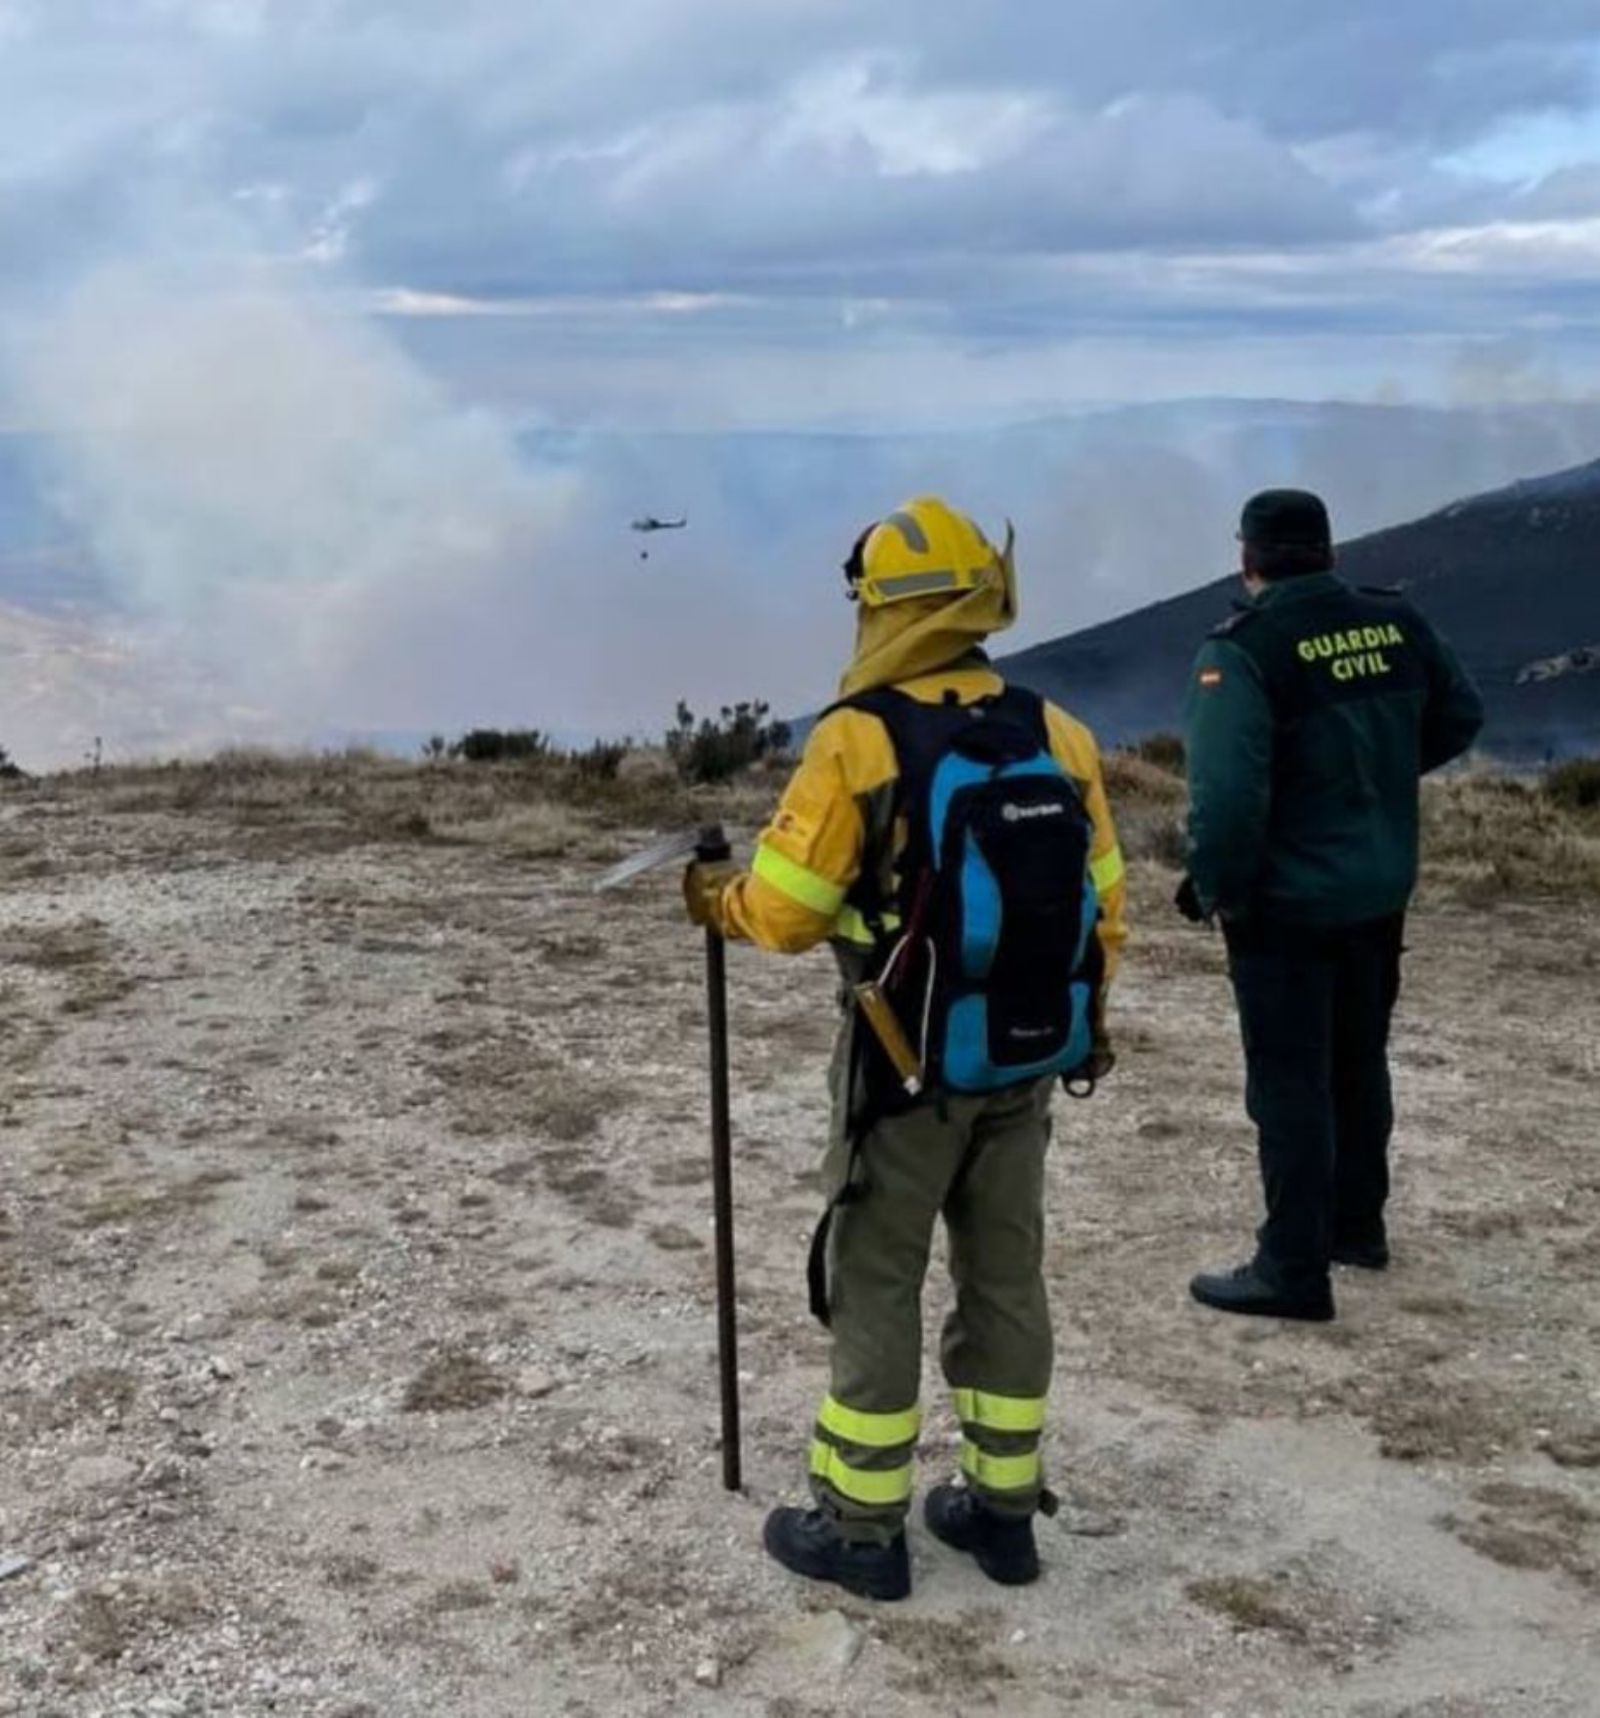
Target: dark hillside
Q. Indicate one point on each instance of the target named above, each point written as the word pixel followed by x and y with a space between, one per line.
pixel 1512 578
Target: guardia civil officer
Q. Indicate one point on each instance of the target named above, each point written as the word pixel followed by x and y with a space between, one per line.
pixel 929 737
pixel 1313 713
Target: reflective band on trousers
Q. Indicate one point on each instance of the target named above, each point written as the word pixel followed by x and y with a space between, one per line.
pixel 1000 1413
pixel 1000 1473
pixel 1108 870
pixel 871 1431
pixel 794 880
pixel 859 1485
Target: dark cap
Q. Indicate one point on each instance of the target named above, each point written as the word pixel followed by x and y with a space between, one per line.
pixel 1285 519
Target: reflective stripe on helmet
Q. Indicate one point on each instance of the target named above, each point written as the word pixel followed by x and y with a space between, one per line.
pixel 893 587
pixel 911 529
pixel 789 877
pixel 924 548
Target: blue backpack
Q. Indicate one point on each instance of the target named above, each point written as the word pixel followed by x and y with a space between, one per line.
pixel 988 952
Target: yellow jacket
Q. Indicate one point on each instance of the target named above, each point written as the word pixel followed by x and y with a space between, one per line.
pixel 835 816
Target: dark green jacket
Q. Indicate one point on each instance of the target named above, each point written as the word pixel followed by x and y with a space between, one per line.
pixel 1313 713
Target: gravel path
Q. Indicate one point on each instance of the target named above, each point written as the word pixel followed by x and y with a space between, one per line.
pixel 356 1318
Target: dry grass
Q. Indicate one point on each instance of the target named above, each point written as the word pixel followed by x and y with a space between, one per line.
pixel 1488 835
pixel 505 1083
pixel 107 1622
pixel 349 1572
pixel 1428 1426
pixel 1531 1527
pixel 1136 780
pixel 57 948
pixel 359 797
pixel 1557 1509
pixel 124 1202
pixel 1575 1449
pixel 454 1379
pixel 461 1595
pixel 546 830
pixel 1250 1604
pixel 81 954
pixel 951 1656
pixel 90 1398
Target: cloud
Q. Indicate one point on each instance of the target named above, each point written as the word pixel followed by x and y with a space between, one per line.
pixel 275 493
pixel 1569 193
pixel 809 198
pixel 357 328
pixel 788 146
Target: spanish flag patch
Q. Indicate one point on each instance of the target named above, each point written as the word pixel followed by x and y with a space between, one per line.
pixel 1210 676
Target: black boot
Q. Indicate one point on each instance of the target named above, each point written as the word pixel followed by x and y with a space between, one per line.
pixel 1244 1289
pixel 1368 1254
pixel 809 1542
pixel 1002 1544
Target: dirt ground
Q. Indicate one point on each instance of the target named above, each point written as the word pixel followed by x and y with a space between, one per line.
pixel 356 1316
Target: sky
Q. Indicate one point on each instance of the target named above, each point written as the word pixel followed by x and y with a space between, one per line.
pixel 299 294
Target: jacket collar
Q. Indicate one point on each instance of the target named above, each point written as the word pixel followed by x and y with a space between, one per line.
pixel 1288 591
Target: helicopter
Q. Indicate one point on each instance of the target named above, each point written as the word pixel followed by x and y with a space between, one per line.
pixel 649 523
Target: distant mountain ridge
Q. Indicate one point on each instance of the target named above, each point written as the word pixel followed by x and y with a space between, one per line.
pixel 1511 578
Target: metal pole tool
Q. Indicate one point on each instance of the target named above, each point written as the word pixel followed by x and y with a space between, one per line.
pixel 710 846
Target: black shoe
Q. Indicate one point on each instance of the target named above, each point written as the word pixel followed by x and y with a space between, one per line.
pixel 809 1543
pixel 1002 1544
pixel 1364 1255
pixel 1246 1290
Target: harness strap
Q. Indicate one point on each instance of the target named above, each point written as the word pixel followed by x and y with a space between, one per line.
pixel 858 1124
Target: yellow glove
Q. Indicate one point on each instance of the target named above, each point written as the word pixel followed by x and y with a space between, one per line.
pixel 703 886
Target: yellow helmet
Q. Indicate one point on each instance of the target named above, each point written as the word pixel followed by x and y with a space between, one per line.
pixel 924 548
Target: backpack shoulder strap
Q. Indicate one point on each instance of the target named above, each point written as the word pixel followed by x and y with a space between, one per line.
pixel 877 701
pixel 918 732
pixel 1026 708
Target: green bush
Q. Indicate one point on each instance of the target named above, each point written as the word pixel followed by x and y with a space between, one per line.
pixel 1574 785
pixel 707 751
pixel 1165 751
pixel 601 762
pixel 502 746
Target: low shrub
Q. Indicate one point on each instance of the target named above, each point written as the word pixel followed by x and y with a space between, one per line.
pixel 1166 751
pixel 502 746
pixel 1574 785
pixel 708 751
pixel 1495 836
pixel 600 762
pixel 1130 777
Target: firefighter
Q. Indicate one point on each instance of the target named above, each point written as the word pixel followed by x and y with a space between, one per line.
pixel 930 588
pixel 1313 713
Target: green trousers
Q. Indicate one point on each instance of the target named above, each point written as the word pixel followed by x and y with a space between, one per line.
pixel 978 1162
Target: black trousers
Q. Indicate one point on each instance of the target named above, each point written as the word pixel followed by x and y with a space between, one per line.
pixel 1315 1008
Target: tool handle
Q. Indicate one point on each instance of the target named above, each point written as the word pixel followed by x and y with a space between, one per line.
pixel 722 1204
pixel 713 847
pixel 879 1014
